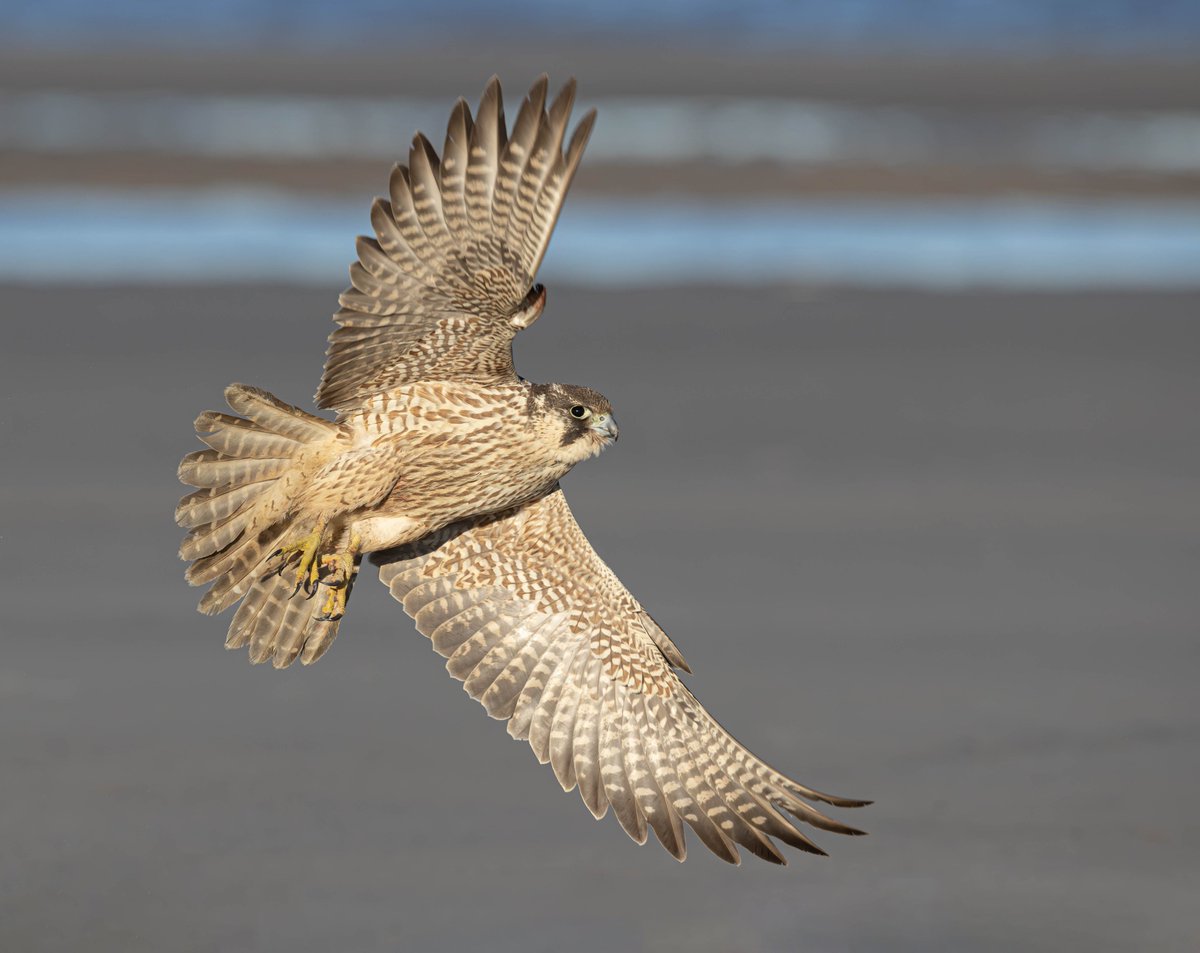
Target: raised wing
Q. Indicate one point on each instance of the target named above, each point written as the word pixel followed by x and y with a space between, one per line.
pixel 447 281
pixel 544 635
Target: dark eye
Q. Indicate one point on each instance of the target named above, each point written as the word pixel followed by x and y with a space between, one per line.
pixel 579 411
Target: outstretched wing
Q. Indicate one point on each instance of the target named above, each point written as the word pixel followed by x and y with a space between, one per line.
pixel 447 281
pixel 544 635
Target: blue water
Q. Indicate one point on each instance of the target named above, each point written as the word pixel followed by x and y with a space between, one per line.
pixel 271 237
pixel 640 130
pixel 988 24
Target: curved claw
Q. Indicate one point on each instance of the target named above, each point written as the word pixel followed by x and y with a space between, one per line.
pixel 308 568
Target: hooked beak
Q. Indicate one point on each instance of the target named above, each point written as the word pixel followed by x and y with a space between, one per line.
pixel 606 426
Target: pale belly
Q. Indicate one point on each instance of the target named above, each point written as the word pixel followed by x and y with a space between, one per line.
pixel 383 532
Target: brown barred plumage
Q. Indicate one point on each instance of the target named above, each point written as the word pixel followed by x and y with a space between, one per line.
pixel 545 636
pixel 444 464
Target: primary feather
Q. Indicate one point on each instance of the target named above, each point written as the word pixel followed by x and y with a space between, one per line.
pixel 455 250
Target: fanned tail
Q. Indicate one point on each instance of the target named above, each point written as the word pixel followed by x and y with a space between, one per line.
pixel 238 517
pixel 281 624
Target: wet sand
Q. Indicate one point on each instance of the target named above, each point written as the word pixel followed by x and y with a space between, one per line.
pixel 935 550
pixel 1058 80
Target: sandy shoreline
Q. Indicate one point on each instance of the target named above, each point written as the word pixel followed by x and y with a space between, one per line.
pixel 982 81
pixel 938 550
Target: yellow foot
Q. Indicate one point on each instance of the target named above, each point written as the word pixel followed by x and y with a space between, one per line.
pixel 308 568
pixel 337 574
pixel 335 603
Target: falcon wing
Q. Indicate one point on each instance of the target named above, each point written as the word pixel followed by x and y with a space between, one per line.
pixel 544 635
pixel 447 282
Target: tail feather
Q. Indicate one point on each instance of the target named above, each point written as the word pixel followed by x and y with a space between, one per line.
pixel 270 413
pixel 242 624
pixel 237 574
pixel 211 538
pixel 210 505
pixel 318 636
pixel 280 624
pixel 236 437
pixel 239 517
pixel 239 554
pixel 209 468
pixel 285 639
pixel 279 604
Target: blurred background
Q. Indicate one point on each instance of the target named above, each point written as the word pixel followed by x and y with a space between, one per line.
pixel 897 303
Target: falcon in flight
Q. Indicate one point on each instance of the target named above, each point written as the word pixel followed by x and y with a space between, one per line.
pixel 444 464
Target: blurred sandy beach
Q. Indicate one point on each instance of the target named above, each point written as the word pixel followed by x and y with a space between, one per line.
pixel 929 539
pixel 938 550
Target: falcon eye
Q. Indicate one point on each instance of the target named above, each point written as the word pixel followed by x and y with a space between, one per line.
pixel 579 412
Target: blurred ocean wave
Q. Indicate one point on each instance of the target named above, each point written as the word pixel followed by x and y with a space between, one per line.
pixel 239 235
pixel 637 130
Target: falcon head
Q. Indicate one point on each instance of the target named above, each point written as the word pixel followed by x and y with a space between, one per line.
pixel 578 420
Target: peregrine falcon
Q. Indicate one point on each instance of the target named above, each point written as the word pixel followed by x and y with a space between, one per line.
pixel 444 465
